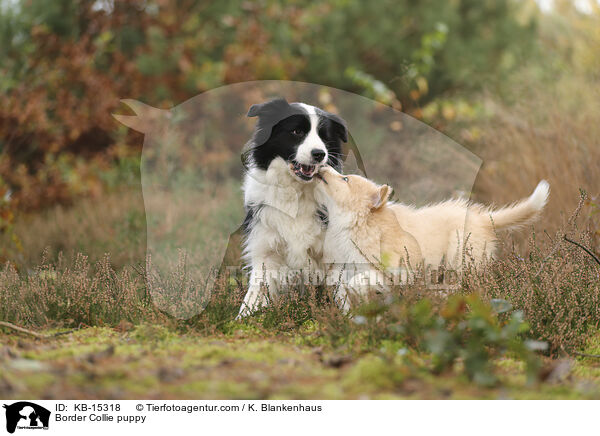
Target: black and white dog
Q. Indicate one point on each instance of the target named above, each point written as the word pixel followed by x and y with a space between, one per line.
pixel 284 226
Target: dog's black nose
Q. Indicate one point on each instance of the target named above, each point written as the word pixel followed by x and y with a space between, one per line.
pixel 317 155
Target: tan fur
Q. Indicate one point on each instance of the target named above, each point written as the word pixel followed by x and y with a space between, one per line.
pixel 372 224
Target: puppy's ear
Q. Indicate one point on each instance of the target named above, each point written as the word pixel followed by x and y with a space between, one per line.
pixel 270 107
pixel 380 197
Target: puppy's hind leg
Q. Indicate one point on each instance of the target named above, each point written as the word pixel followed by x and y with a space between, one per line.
pixel 342 299
pixel 338 277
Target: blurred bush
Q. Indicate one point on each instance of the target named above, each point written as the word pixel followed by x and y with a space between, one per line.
pixel 420 50
pixel 66 63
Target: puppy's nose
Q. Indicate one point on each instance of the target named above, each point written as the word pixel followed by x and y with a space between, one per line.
pixel 317 154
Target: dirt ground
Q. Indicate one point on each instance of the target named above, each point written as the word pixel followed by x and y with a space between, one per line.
pixel 153 362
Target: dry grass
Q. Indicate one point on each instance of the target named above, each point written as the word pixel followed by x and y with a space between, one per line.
pixel 72 294
pixel 540 138
pixel 554 282
pixel 112 223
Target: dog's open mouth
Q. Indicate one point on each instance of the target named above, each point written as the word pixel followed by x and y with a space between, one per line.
pixel 305 172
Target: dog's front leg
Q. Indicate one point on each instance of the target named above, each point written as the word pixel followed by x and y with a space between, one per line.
pixel 261 281
pixel 254 299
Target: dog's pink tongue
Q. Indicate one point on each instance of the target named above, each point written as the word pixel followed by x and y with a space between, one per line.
pixel 306 169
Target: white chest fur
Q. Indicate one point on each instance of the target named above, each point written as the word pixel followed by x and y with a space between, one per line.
pixel 286 232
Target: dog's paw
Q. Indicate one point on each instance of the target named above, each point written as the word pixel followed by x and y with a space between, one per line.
pixel 243 314
pixel 246 311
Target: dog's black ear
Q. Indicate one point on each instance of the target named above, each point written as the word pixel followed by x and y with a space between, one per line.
pixel 273 106
pixel 339 131
pixel 339 126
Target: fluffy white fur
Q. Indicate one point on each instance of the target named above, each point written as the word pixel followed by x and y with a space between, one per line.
pixel 447 230
pixel 364 245
pixel 285 237
pixel 445 233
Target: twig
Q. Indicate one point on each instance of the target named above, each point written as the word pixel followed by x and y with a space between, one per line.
pixel 32 333
pixel 583 248
pixel 546 259
pixel 67 332
pixel 22 330
pixel 377 267
pixel 577 353
pixel 583 196
pixel 594 356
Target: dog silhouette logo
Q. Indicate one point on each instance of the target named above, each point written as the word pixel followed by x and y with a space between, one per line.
pixel 26 415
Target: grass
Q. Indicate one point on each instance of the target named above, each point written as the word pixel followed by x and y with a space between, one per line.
pixel 114 223
pixel 540 139
pixel 556 283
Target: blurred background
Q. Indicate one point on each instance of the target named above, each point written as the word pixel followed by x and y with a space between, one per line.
pixel 513 81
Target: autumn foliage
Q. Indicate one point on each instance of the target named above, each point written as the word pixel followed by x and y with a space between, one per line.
pixel 66 65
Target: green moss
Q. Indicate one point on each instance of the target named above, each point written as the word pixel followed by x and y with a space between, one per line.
pixel 152 332
pixel 37 381
pixel 593 345
pixel 239 329
pixel 372 373
pixel 63 352
pixel 391 347
pixel 149 361
pixel 190 389
pixel 95 334
pixel 587 368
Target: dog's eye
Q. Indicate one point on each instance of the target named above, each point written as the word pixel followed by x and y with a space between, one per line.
pixel 345 179
pixel 297 132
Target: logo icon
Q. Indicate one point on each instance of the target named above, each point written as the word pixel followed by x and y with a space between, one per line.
pixel 26 415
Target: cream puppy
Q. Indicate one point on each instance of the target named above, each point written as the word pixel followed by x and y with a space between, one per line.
pixel 365 227
pixel 364 244
pixel 456 232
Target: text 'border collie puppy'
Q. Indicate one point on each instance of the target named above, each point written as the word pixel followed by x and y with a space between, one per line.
pixel 284 227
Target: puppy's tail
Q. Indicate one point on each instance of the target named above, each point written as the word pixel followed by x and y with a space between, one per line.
pixel 523 213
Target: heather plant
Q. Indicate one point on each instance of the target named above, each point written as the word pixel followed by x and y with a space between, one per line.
pixel 557 285
pixel 461 333
pixel 70 295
